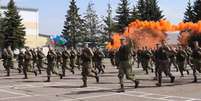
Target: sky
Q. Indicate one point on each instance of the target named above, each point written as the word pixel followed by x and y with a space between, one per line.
pixel 52 12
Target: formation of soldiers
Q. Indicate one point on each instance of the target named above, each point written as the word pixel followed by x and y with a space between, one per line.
pixel 35 61
pixel 90 61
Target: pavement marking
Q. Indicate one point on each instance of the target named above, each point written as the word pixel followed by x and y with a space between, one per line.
pixel 14 93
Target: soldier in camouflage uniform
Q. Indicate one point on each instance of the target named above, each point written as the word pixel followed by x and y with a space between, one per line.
pixel 34 58
pixel 139 58
pixel 5 62
pixel 40 59
pixel 51 64
pixel 181 58
pixel 125 66
pixel 146 59
pixel 20 61
pixel 28 63
pixel 87 69
pixel 78 62
pixel 73 57
pixel 58 59
pixel 163 54
pixel 98 58
pixel 66 62
pixel 196 60
pixel 10 62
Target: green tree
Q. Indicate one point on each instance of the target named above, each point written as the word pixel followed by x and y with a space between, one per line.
pixel 134 14
pixel 109 23
pixel 149 10
pixel 123 15
pixel 73 26
pixel 197 11
pixel 188 15
pixel 92 22
pixel 13 28
pixel 1 33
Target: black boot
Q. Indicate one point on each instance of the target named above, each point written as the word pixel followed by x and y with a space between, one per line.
pixel 48 79
pixel 172 79
pixel 136 83
pixel 122 88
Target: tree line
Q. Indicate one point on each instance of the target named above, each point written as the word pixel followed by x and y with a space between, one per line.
pixel 89 27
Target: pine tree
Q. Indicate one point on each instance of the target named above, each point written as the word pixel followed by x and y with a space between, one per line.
pixel 141 6
pixel 73 24
pixel 188 15
pixel 13 28
pixel 1 33
pixel 134 14
pixel 123 15
pixel 197 11
pixel 149 10
pixel 91 21
pixel 109 23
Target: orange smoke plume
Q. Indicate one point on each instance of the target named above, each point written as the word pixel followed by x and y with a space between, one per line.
pixel 115 43
pixel 150 33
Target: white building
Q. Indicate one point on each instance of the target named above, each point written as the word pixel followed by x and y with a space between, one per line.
pixel 30 18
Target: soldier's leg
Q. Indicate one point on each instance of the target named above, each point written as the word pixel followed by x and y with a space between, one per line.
pixel 63 70
pixel 25 69
pixel 48 70
pixel 156 71
pixel 181 68
pixel 121 76
pixel 84 77
pixel 194 72
pixel 40 66
pixel 166 71
pixel 130 75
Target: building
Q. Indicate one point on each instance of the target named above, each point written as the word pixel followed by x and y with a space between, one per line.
pixel 30 18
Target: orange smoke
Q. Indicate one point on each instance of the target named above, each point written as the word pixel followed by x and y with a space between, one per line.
pixel 150 33
pixel 116 43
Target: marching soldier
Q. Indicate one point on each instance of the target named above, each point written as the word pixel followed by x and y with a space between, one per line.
pixel 5 61
pixel 146 59
pixel 163 54
pixel 28 63
pixel 181 60
pixel 196 60
pixel 98 58
pixel 40 59
pixel 78 62
pixel 125 66
pixel 51 64
pixel 66 62
pixel 87 69
pixel 72 58
pixel 20 61
pixel 59 58
pixel 34 58
pixel 10 62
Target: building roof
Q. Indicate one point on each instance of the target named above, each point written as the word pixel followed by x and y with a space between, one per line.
pixel 21 8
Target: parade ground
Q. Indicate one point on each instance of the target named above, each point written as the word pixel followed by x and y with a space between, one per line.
pixel 14 88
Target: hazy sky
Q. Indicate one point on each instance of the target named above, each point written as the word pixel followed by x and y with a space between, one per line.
pixel 52 12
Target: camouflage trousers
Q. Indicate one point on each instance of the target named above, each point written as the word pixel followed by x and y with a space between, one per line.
pixel 125 68
pixel 66 66
pixel 196 67
pixel 51 69
pixel 146 66
pixel 182 67
pixel 88 71
pixel 28 67
pixel 163 67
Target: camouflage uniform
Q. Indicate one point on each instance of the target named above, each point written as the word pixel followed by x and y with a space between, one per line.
pixel 28 64
pixel 125 67
pixel 34 58
pixel 196 61
pixel 65 62
pixel 51 64
pixel 146 59
pixel 20 61
pixel 87 69
pixel 10 62
pixel 98 58
pixel 40 60
pixel 58 59
pixel 72 58
pixel 162 55
pixel 5 61
pixel 181 61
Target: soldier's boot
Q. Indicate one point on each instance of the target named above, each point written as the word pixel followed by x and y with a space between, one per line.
pixel 63 72
pixel 172 79
pixel 84 83
pixel 72 71
pixel 152 70
pixel 159 82
pixel 48 79
pixel 187 72
pixel 195 79
pixel 147 72
pixel 97 77
pixel 136 83
pixel 61 76
pixel 122 88
pixel 40 72
pixel 35 73
pixel 19 70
